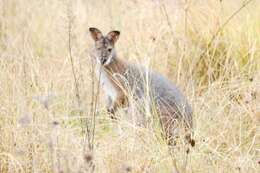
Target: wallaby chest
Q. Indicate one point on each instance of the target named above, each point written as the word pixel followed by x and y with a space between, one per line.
pixel 106 83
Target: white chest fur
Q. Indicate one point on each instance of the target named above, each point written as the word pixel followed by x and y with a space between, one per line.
pixel 105 82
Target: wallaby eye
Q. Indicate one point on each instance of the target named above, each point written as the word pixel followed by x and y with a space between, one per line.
pixel 109 49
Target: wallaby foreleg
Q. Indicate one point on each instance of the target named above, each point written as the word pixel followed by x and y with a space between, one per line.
pixel 112 106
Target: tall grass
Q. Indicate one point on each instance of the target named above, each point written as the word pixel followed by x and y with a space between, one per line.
pixel 52 115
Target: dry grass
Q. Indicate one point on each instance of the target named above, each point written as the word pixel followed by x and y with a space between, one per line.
pixel 42 124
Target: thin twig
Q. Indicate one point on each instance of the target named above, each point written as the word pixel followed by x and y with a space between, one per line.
pixel 245 3
pixel 95 110
pixel 164 11
pixel 76 83
pixel 224 24
pixel 71 59
pixel 186 10
pixel 87 135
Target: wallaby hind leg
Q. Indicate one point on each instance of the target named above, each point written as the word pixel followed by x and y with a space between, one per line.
pixel 172 125
pixel 169 130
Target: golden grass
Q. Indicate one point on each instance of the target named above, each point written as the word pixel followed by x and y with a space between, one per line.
pixel 41 122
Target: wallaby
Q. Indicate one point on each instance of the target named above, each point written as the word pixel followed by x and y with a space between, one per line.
pixel 118 78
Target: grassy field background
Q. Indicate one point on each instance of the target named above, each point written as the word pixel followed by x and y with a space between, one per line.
pixel 209 48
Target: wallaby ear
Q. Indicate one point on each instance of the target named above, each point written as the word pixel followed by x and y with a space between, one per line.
pixel 113 36
pixel 95 33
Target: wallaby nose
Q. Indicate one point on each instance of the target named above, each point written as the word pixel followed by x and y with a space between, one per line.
pixel 103 60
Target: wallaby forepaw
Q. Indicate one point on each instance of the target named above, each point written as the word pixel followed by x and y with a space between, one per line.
pixel 111 112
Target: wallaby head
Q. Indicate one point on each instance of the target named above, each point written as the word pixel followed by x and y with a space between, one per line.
pixel 104 50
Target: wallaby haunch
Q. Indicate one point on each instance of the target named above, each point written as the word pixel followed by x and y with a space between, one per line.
pixel 119 78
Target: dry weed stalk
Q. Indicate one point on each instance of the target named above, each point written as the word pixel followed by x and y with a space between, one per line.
pixel 76 82
pixel 90 126
pixel 88 147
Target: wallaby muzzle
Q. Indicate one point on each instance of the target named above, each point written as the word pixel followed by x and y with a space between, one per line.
pixel 103 60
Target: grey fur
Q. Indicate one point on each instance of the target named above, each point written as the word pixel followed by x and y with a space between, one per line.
pixel 161 91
